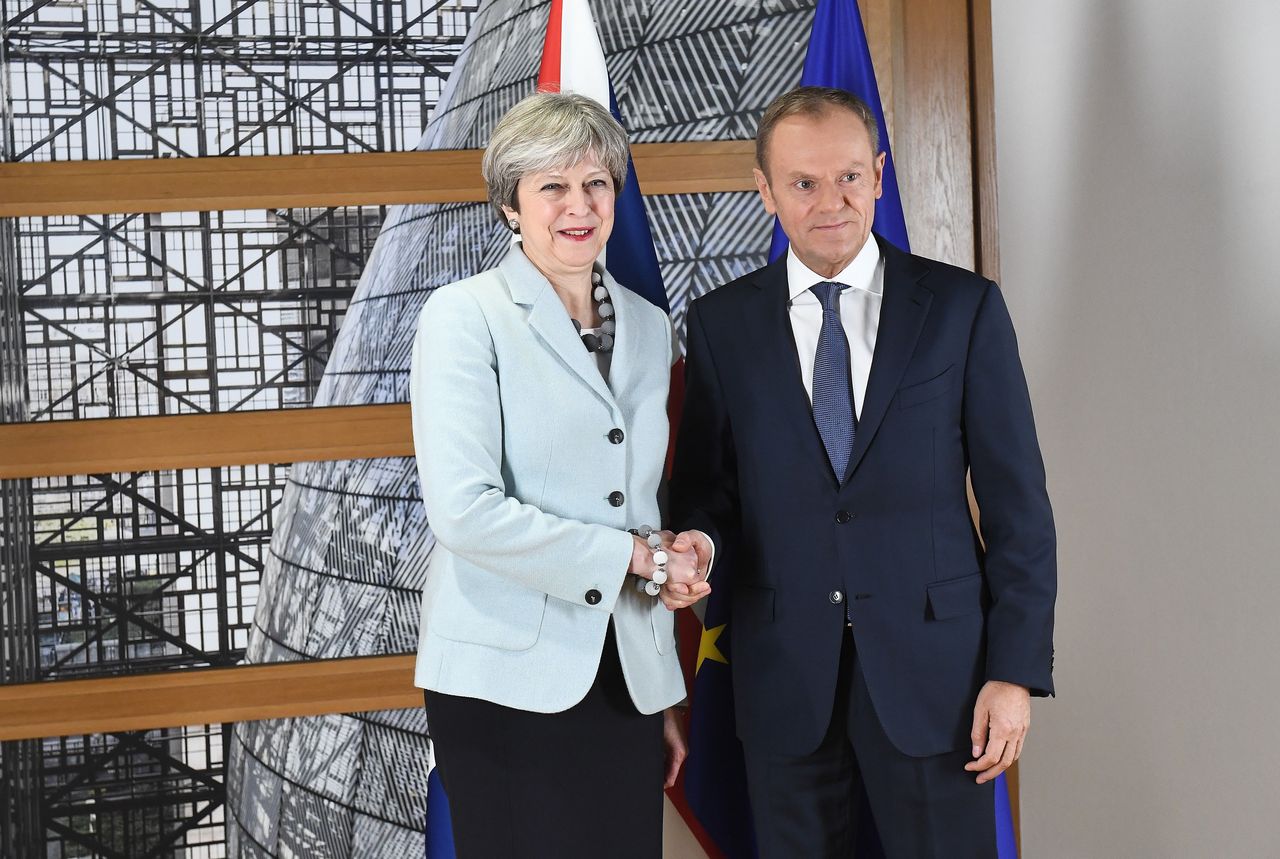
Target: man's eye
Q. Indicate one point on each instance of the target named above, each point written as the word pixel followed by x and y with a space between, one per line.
pixel 851 177
pixel 804 184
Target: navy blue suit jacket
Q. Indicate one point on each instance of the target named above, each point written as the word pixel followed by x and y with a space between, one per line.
pixel 936 610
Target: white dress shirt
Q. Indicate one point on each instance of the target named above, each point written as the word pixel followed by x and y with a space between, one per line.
pixel 859 313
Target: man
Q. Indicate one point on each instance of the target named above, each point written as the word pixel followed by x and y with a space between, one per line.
pixel 836 401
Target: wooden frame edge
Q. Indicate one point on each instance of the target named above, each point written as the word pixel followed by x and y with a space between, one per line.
pixel 169 699
pixel 108 445
pixel 354 179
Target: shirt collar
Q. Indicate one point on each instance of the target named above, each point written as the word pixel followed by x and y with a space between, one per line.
pixel 860 273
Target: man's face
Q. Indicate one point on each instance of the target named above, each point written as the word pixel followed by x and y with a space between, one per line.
pixel 822 181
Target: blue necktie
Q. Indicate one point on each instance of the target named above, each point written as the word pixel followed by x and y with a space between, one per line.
pixel 832 382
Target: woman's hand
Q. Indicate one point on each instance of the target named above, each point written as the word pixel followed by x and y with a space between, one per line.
pixel 677 749
pixel 642 563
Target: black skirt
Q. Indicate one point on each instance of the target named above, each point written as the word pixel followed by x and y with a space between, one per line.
pixel 586 782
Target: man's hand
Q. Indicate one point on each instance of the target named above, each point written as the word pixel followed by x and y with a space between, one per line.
pixel 1001 718
pixel 700 544
pixel 676 747
pixel 684 585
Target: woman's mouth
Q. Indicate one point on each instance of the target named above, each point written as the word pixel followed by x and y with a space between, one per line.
pixel 580 234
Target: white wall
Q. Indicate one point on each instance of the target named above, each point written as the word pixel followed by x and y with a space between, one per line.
pixel 1139 170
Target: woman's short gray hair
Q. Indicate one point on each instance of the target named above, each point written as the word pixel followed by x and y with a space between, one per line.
pixel 548 131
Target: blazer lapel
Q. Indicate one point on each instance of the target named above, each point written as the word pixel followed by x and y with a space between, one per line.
pixel 902 313
pixel 628 348
pixel 550 322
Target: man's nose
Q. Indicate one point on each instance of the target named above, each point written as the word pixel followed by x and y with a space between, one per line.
pixel 829 198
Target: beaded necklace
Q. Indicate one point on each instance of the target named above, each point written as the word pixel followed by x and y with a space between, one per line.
pixel 602 342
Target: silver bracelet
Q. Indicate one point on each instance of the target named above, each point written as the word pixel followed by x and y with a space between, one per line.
pixel 653 586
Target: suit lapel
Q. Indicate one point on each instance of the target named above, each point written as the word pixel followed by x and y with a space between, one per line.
pixel 771 348
pixel 550 322
pixel 902 313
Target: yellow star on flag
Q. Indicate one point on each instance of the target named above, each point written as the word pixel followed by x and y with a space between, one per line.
pixel 707 647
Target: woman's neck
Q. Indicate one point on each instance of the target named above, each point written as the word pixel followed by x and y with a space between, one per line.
pixel 575 294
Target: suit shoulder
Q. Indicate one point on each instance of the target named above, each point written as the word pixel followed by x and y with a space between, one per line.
pixel 729 294
pixel 941 275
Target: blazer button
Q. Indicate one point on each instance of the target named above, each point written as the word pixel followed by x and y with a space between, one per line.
pixel 593 597
pixel 836 597
pixel 616 498
pixel 616 436
pixel 843 517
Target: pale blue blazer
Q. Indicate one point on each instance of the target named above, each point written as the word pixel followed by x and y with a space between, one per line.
pixel 511 428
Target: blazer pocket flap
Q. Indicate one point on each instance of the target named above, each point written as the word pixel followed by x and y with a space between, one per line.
pixel 749 602
pixel 955 597
pixel 930 389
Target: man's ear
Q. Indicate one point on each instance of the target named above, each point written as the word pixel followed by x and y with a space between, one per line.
pixel 766 196
pixel 880 175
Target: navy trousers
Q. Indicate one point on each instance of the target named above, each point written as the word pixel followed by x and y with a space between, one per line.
pixel 816 805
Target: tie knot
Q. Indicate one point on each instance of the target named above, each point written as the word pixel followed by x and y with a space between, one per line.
pixel 827 293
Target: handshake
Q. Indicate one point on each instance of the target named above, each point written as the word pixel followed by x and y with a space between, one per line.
pixel 688 563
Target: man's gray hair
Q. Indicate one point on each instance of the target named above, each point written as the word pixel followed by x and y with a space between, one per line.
pixel 813 102
pixel 550 131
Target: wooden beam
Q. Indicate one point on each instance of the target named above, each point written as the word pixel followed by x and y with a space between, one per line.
pixel 986 214
pixel 45 448
pixel 286 181
pixel 171 699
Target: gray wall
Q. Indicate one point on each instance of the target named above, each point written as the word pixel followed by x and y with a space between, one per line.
pixel 1139 169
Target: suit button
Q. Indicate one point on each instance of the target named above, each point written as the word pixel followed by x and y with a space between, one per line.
pixel 616 498
pixel 843 516
pixel 593 597
pixel 616 436
pixel 836 597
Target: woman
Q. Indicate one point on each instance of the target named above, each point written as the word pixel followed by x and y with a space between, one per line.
pixel 539 392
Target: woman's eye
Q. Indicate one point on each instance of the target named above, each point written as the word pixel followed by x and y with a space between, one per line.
pixel 550 186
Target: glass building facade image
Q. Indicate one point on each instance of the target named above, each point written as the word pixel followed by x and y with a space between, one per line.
pixel 178 313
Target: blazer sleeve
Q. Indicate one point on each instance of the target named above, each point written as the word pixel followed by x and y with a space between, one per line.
pixel 1014 513
pixel 704 478
pixel 457 439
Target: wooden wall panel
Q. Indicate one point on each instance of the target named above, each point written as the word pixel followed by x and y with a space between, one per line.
pixel 933 151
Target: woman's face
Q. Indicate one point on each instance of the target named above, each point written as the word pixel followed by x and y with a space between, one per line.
pixel 565 216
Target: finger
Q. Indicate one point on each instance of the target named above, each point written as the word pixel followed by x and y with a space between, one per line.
pixel 681 542
pixel 1017 753
pixel 674 761
pixel 978 733
pixel 995 748
pixel 1006 761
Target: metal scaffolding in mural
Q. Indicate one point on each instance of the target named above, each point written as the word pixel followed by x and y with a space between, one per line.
pixel 168 313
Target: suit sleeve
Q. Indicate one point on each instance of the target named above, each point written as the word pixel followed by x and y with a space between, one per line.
pixel 1014 513
pixel 457 439
pixel 704 480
